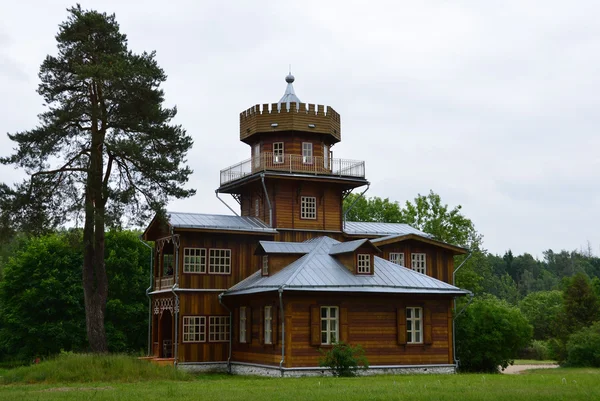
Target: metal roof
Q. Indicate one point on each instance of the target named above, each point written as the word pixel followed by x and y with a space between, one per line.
pixel 376 228
pixel 286 247
pixel 290 95
pixel 345 247
pixel 218 222
pixel 319 271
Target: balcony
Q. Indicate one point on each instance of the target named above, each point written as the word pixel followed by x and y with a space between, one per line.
pixel 163 283
pixel 314 165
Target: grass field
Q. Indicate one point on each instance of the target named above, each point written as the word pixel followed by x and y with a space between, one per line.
pixel 554 384
pixel 533 362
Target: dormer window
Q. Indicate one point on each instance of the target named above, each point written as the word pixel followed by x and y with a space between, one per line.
pixel 307 152
pixel 278 156
pixel 265 265
pixel 363 265
pixel 419 262
pixel 397 258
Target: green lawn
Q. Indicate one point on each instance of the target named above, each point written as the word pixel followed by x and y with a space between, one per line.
pixel 533 362
pixel 554 384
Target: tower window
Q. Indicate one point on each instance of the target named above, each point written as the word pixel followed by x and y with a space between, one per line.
pixel 308 207
pixel 278 156
pixel 307 152
pixel 325 156
pixel 257 155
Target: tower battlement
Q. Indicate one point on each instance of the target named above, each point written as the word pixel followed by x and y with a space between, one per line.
pixel 290 116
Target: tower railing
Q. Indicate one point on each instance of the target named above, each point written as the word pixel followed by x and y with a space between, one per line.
pixel 290 163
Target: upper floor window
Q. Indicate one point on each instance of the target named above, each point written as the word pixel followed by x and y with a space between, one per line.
pixel 414 320
pixel 218 328
pixel 194 329
pixel 419 262
pixel 194 260
pixel 219 261
pixel 278 152
pixel 268 325
pixel 397 257
pixel 265 265
pixel 364 263
pixel 308 207
pixel 243 324
pixel 329 324
pixel 325 156
pixel 257 155
pixel 307 152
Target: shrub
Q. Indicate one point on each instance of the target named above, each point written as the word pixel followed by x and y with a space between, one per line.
pixel 490 333
pixel 538 350
pixel 343 359
pixel 583 347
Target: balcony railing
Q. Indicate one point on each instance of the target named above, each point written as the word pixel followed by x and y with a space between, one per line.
pixel 288 163
pixel 163 283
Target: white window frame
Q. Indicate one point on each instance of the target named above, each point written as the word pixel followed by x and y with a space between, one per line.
pixel 256 207
pixel 218 329
pixel 278 153
pixel 397 258
pixel 219 261
pixel 194 260
pixel 265 265
pixel 308 207
pixel 257 155
pixel 268 323
pixel 307 152
pixel 363 263
pixel 325 156
pixel 330 324
pixel 414 325
pixel 418 262
pixel 243 320
pixel 194 329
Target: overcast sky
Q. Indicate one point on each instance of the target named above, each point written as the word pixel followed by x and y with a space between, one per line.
pixel 491 104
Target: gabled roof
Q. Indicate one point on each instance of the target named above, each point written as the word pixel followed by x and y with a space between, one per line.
pixel 319 271
pixel 376 228
pixel 350 246
pixel 390 239
pixel 285 247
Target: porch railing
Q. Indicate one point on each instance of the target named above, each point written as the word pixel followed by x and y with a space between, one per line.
pixel 289 163
pixel 163 283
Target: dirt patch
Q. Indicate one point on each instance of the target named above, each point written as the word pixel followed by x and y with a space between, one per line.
pixel 516 369
pixel 64 389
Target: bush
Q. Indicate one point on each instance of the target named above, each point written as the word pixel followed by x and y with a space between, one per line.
pixel 490 333
pixel 539 350
pixel 583 347
pixel 344 360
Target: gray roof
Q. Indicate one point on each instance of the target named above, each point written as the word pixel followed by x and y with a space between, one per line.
pixel 286 247
pixel 218 222
pixel 375 228
pixel 290 95
pixel 345 247
pixel 319 271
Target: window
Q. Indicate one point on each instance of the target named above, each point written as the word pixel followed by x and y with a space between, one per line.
pixel 413 325
pixel 218 330
pixel 257 155
pixel 418 262
pixel 268 325
pixel 243 324
pixel 194 329
pixel 167 261
pixel 329 324
pixel 265 265
pixel 364 263
pixel 325 156
pixel 397 258
pixel 256 207
pixel 219 261
pixel 307 152
pixel 194 260
pixel 308 207
pixel 278 152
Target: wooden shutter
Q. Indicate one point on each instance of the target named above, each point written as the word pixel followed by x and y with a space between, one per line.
pixel 344 324
pixel 236 325
pixel 274 321
pixel 315 325
pixel 248 325
pixel 427 335
pixel 401 325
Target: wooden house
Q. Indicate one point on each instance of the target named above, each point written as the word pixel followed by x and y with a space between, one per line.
pixel 263 291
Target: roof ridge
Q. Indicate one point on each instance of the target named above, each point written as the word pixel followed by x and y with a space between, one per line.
pixel 308 256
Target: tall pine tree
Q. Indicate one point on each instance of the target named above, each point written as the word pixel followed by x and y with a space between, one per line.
pixel 105 150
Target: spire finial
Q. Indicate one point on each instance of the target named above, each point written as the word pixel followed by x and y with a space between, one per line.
pixel 290 78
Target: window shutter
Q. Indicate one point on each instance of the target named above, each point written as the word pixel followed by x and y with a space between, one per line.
pixel 248 325
pixel 315 325
pixel 344 324
pixel 427 336
pixel 236 325
pixel 261 326
pixel 274 326
pixel 401 323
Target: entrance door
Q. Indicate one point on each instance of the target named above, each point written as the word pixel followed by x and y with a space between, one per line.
pixel 165 335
